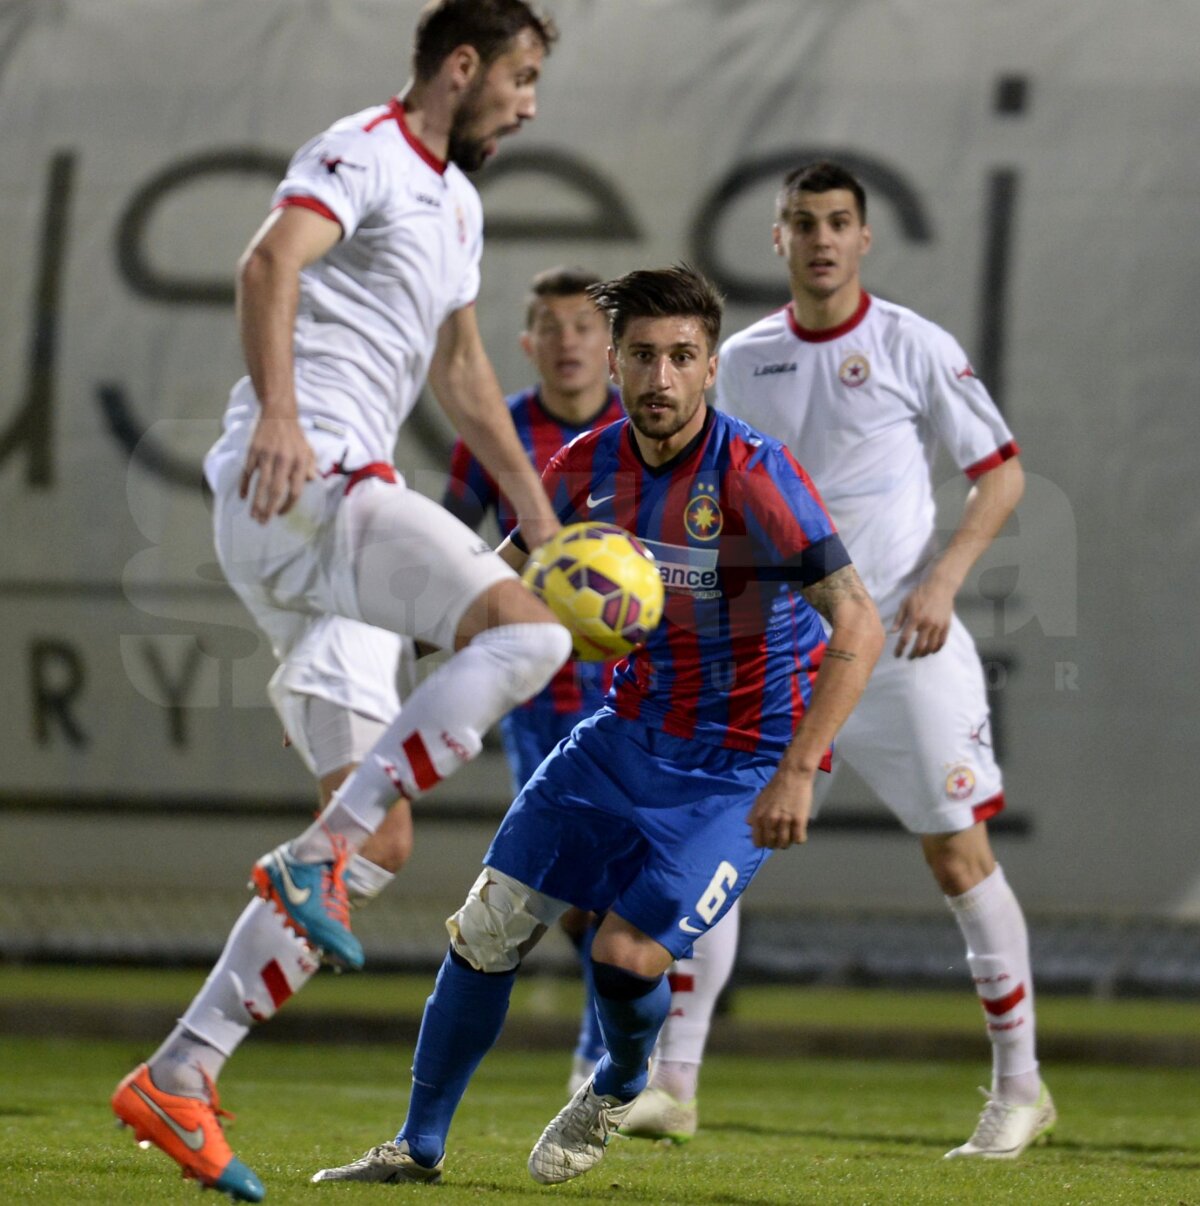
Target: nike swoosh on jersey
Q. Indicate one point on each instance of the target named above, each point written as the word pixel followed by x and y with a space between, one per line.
pixel 193 1140
pixel 686 926
pixel 295 895
pixel 593 501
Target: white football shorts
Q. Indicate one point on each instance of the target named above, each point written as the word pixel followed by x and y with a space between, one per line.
pixel 920 738
pixel 343 581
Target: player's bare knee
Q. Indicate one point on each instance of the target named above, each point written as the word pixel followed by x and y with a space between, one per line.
pixel 631 951
pixel 959 861
pixel 506 602
pixel 500 922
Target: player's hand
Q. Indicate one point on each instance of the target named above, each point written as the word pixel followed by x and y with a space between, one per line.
pixel 279 463
pixel 924 620
pixel 779 817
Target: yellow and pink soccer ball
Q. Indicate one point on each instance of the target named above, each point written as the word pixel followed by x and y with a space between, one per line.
pixel 602 583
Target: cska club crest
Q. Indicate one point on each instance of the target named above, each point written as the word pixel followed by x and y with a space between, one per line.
pixel 960 782
pixel 854 370
pixel 703 518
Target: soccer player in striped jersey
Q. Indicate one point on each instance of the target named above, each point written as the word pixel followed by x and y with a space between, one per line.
pixel 659 809
pixel 866 390
pixel 566 340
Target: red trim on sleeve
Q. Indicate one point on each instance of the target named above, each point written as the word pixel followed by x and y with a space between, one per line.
pixel 681 982
pixel 989 808
pixel 826 334
pixel 301 201
pixel 1003 453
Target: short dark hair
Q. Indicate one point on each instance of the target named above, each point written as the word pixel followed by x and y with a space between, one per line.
pixel 558 282
pixel 820 176
pixel 488 25
pixel 677 292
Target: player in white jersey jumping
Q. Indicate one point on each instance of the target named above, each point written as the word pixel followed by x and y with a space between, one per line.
pixel 863 391
pixel 359 287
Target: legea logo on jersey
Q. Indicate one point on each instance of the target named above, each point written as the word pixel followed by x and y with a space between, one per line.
pixel 770 370
pixel 854 370
pixel 684 570
pixel 703 518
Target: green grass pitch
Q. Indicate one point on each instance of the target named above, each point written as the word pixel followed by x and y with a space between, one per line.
pixel 772 1131
pixel 780 1130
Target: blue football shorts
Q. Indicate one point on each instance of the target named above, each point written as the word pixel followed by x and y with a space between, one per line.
pixel 529 735
pixel 628 818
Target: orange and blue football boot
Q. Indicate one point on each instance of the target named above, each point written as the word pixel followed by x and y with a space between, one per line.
pixel 189 1130
pixel 313 901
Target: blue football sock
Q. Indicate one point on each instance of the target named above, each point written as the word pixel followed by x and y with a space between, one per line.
pixel 590 1044
pixel 463 1018
pixel 632 1011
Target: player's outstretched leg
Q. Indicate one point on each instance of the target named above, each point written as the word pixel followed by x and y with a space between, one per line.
pixel 188 1129
pixel 439 729
pixel 462 1019
pixel 170 1100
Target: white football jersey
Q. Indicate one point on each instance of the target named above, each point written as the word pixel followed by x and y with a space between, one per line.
pixel 862 406
pixel 369 311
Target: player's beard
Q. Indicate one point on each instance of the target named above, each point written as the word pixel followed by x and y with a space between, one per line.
pixel 664 424
pixel 469 152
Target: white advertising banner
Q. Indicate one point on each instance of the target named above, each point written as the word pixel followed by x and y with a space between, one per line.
pixel 1033 186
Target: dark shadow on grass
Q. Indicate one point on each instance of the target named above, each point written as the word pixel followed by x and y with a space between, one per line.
pixel 599 1188
pixel 780 1132
pixel 1185 1158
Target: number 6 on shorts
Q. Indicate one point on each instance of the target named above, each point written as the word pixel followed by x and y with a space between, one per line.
pixel 715 895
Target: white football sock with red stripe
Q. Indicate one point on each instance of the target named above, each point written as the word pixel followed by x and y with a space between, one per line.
pixel 439 729
pixel 991 921
pixel 696 983
pixel 263 964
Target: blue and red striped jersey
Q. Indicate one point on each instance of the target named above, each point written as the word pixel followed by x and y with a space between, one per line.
pixel 737 528
pixel 471 492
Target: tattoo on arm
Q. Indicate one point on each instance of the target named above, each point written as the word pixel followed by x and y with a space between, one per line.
pixel 844 654
pixel 841 586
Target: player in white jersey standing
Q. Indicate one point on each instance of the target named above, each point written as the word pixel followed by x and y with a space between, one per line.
pixel 863 391
pixel 358 287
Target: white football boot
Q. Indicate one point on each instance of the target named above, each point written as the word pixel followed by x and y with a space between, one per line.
pixel 1006 1130
pixel 658 1115
pixel 389 1164
pixel 576 1138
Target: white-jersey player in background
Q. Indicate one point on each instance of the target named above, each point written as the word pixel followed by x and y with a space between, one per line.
pixel 863 391
pixel 359 287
